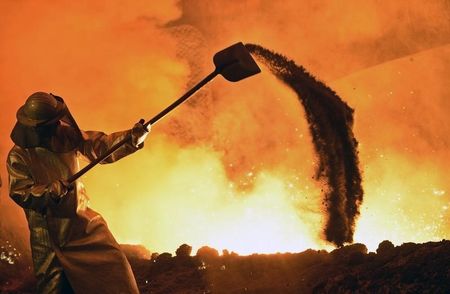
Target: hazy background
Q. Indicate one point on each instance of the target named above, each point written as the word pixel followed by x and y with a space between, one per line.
pixel 232 168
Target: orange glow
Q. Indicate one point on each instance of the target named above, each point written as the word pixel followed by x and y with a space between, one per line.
pixel 404 148
pixel 233 167
pixel 390 213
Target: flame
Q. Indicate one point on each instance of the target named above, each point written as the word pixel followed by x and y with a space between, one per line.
pixel 232 169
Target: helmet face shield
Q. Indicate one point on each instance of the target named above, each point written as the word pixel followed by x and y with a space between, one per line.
pixel 67 118
pixel 45 121
pixel 47 130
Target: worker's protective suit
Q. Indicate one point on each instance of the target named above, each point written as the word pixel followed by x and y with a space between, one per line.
pixel 72 248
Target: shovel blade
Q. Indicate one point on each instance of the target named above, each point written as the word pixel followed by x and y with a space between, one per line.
pixel 235 63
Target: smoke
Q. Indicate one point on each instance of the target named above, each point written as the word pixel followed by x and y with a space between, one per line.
pixel 352 34
pixel 330 123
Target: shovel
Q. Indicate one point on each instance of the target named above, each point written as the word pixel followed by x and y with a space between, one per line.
pixel 234 63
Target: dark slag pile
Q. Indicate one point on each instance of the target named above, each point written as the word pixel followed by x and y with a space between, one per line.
pixel 409 268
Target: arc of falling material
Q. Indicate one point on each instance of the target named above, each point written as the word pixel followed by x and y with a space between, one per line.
pixel 330 122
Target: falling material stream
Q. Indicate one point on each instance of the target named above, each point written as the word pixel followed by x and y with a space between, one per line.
pixel 330 122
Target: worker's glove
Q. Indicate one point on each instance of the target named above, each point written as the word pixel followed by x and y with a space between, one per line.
pixel 58 189
pixel 139 133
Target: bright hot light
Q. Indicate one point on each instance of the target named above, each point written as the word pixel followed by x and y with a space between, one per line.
pixel 191 201
pixel 390 213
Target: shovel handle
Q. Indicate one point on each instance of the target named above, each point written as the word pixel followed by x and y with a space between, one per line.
pixel 152 121
pixel 182 98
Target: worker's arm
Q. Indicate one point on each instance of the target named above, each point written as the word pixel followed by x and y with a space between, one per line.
pixel 96 143
pixel 23 189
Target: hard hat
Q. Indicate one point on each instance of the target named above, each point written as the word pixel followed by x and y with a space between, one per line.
pixel 41 109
